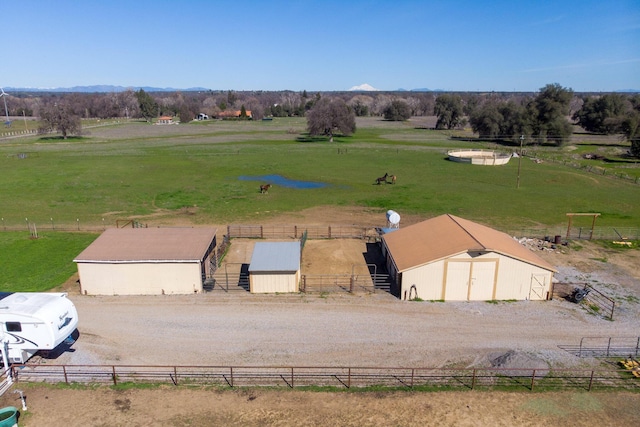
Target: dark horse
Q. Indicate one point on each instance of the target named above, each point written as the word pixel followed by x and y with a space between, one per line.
pixel 382 179
pixel 264 188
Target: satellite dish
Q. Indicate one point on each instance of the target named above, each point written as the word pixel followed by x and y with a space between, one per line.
pixel 393 219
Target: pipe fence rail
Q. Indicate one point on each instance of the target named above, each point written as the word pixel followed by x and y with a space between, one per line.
pixel 349 283
pixel 296 231
pixel 596 301
pixel 609 347
pixel 293 231
pixel 341 377
pixel 599 302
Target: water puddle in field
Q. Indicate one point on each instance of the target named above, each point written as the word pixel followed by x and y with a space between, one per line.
pixel 284 182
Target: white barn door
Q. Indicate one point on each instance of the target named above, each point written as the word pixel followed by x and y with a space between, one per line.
pixel 470 280
pixel 538 286
pixel 457 282
pixel 482 281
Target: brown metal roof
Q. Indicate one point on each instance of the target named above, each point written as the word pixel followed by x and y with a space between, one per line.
pixel 149 244
pixel 447 235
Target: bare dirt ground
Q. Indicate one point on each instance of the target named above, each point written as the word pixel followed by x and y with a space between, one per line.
pixel 238 328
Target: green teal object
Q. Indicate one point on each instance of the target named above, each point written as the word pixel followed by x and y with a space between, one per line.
pixel 9 416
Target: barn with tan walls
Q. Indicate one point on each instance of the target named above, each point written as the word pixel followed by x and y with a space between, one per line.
pixel 147 261
pixel 275 267
pixel 453 259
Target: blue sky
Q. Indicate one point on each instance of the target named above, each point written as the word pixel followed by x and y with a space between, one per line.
pixel 323 45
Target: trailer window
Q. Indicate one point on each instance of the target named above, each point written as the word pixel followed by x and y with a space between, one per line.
pixel 14 327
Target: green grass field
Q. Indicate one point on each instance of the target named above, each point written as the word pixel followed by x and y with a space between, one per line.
pixel 36 265
pixel 138 169
pixel 191 172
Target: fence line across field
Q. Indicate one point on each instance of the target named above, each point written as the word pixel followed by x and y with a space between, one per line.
pixel 328 376
pixel 296 231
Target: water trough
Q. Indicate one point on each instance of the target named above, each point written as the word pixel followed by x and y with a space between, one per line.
pixel 479 157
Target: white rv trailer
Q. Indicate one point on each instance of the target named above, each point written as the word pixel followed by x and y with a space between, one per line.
pixel 34 321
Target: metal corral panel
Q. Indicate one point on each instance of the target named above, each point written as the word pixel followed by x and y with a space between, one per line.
pixel 275 256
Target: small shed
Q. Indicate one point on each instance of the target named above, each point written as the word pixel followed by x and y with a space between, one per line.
pixel 147 261
pixel 165 120
pixel 275 267
pixel 453 259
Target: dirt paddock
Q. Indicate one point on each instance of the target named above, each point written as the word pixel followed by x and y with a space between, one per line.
pixel 237 328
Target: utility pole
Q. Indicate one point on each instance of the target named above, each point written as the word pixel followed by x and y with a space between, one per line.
pixel 519 160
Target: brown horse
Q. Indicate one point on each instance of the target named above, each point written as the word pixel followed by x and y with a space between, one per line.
pixel 393 179
pixel 382 179
pixel 264 188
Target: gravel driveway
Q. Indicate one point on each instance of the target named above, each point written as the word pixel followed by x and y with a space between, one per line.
pixel 238 328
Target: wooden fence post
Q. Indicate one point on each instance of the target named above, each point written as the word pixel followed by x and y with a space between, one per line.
pixel 473 379
pixel 533 377
pixel 590 381
pixel 113 375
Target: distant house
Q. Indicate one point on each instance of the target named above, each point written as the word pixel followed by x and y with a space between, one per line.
pixel 453 259
pixel 147 261
pixel 165 120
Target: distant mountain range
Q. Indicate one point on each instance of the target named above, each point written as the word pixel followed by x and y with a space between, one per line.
pixel 365 87
pixel 103 89
pixel 111 88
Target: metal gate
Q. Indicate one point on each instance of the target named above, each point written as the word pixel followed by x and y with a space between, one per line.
pixel 229 277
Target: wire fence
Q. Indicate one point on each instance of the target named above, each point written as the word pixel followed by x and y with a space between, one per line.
pixel 597 170
pixel 331 376
pixel 296 231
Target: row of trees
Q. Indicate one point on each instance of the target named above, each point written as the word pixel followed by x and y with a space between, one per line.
pixel 539 119
pixel 612 114
pixel 543 117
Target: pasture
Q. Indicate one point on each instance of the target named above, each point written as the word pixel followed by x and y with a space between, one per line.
pixel 190 173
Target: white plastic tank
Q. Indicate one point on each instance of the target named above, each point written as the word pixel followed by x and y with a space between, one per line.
pixel 393 219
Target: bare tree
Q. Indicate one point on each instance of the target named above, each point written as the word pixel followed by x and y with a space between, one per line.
pixel 330 115
pixel 59 117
